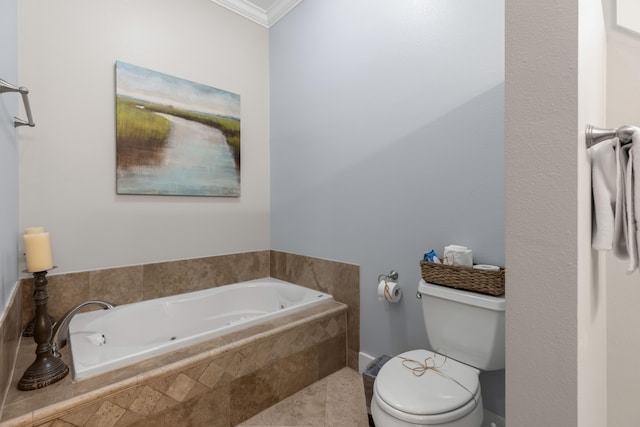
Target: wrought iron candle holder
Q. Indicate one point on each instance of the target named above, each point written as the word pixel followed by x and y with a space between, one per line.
pixel 28 330
pixel 47 369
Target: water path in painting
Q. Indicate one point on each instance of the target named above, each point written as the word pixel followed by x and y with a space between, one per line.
pixel 197 161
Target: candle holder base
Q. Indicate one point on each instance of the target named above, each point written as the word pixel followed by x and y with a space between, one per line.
pixel 46 370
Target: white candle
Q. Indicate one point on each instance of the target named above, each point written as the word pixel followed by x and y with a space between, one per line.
pixel 34 230
pixel 38 249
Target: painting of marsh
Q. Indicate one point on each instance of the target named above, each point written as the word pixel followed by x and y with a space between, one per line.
pixel 174 136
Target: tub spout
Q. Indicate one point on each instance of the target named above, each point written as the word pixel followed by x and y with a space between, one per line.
pixel 60 334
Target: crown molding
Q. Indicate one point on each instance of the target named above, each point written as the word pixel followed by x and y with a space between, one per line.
pixel 258 14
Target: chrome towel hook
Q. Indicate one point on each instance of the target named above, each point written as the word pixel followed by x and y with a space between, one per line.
pixel 594 135
pixel 8 87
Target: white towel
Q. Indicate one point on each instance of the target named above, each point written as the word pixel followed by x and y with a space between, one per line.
pixel 458 255
pixel 623 241
pixel 603 184
pixel 634 153
pixel 615 176
pixel 630 236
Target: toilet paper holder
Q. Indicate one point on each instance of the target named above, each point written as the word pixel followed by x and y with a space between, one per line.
pixel 388 289
pixel 392 275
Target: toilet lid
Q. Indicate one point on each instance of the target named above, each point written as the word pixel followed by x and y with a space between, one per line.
pixel 448 387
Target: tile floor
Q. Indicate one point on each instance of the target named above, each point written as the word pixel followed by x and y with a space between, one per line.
pixel 334 401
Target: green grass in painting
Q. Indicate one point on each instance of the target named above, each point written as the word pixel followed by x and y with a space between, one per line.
pixel 140 134
pixel 230 128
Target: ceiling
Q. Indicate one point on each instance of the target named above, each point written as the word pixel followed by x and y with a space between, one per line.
pixel 263 12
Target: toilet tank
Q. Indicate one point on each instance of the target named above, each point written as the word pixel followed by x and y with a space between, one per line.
pixel 466 326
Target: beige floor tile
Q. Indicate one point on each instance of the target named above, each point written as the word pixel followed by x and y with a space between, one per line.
pixel 337 400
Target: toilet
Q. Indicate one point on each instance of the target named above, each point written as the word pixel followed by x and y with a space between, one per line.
pixel 441 386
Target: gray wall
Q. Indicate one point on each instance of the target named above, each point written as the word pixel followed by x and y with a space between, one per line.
pixel 8 152
pixel 387 140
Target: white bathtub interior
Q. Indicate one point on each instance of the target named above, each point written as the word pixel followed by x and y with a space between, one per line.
pixel 105 340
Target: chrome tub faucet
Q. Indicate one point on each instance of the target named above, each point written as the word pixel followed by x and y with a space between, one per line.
pixel 60 335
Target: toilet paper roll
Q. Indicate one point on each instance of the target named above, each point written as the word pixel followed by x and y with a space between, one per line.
pixel 389 291
pixel 486 267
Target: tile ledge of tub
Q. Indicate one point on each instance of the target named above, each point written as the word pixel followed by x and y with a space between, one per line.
pixel 53 411
pixel 22 420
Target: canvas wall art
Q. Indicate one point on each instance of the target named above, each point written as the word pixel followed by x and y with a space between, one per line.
pixel 174 136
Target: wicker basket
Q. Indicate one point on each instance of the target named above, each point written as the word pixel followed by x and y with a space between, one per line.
pixel 469 279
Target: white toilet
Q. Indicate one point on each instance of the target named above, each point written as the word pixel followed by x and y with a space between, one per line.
pixel 467 330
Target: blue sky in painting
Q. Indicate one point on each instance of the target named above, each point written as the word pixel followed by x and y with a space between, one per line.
pixel 152 86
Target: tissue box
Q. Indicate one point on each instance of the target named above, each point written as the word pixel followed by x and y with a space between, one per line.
pixel 466 278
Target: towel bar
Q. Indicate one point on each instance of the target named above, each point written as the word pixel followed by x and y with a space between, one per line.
pixel 593 135
pixel 8 87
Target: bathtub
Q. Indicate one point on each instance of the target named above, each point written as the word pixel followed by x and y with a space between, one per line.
pixel 105 340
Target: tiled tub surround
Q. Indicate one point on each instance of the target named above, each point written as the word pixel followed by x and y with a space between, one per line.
pixel 338 279
pixel 10 330
pixel 144 282
pixel 218 383
pixel 131 284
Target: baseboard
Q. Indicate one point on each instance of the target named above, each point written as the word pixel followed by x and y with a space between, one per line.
pixel 364 360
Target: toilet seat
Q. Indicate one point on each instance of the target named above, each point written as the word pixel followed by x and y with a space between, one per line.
pixel 440 395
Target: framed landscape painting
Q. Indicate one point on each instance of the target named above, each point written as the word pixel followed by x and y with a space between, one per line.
pixel 174 136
